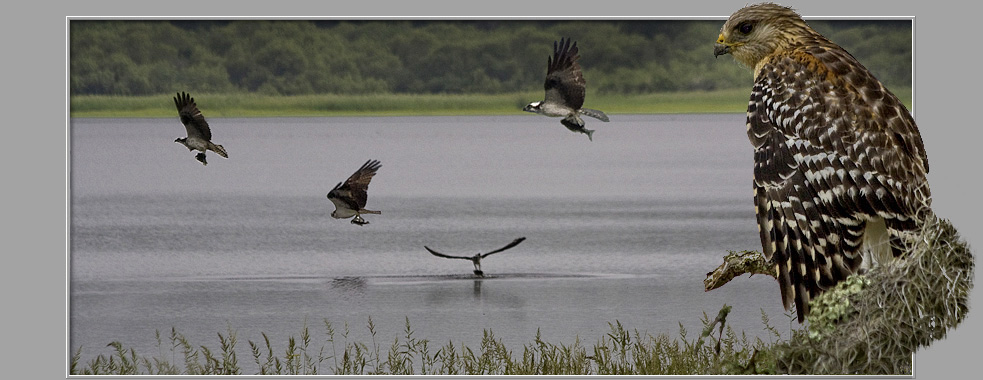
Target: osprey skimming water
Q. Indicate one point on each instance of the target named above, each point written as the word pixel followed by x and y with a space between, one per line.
pixel 349 197
pixel 476 259
pixel 565 88
pixel 199 136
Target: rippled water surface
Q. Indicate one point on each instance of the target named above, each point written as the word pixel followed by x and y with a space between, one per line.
pixel 623 228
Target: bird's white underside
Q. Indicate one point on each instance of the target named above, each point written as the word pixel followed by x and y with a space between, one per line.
pixel 196 144
pixel 341 210
pixel 554 110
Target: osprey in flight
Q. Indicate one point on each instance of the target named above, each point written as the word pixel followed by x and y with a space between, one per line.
pixel 839 165
pixel 349 197
pixel 199 136
pixel 565 90
pixel 476 259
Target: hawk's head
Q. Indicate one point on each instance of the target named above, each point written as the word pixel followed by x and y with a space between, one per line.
pixel 756 31
pixel 534 107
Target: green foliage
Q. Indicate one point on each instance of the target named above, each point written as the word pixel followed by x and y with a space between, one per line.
pixel 302 57
pixel 246 105
pixel 233 105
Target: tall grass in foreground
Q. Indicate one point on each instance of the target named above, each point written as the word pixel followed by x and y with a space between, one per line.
pixel 619 352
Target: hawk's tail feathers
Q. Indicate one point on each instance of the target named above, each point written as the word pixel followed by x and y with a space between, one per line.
pixel 780 243
pixel 595 114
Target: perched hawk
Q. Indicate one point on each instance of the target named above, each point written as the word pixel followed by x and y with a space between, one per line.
pixel 476 259
pixel 565 90
pixel 199 136
pixel 349 197
pixel 839 165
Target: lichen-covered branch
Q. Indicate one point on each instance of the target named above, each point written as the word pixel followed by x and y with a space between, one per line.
pixel 736 264
pixel 874 323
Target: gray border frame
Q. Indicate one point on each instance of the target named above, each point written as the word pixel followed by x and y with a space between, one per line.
pixel 37 180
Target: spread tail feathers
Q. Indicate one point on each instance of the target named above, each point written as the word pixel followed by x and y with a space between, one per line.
pixel 218 149
pixel 595 114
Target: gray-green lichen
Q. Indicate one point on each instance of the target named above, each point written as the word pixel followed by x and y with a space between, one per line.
pixel 873 324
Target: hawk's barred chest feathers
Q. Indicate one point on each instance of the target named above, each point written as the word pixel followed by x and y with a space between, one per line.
pixel 835 153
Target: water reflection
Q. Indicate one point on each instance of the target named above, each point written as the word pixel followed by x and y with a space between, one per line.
pixel 354 284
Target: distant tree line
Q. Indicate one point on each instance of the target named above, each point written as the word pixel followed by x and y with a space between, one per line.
pixel 293 57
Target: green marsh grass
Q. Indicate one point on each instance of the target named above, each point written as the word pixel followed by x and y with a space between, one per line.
pixel 255 105
pixel 620 352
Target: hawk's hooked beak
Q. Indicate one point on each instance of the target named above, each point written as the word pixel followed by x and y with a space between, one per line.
pixel 720 48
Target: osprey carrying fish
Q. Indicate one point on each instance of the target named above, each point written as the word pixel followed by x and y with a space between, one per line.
pixel 199 135
pixel 565 88
pixel 349 197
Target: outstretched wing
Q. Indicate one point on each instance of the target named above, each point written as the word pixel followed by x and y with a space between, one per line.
pixel 191 117
pixel 342 198
pixel 353 192
pixel 564 80
pixel 510 245
pixel 435 253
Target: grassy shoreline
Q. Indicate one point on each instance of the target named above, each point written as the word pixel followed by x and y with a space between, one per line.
pixel 255 105
pixel 622 351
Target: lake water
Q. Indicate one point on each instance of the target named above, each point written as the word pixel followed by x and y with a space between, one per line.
pixel 623 228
